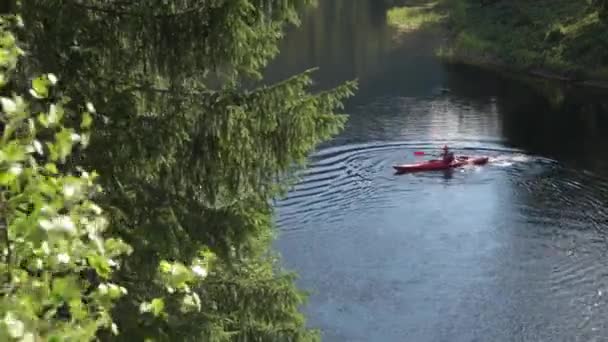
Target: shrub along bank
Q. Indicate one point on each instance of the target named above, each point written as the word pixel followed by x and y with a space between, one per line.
pixel 564 39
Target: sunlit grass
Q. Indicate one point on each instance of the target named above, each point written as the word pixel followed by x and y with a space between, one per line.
pixel 411 18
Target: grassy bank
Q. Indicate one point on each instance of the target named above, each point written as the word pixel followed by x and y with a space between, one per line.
pixel 562 39
pixel 411 18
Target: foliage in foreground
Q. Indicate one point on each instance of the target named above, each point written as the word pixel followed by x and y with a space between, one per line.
pixel 56 265
pixel 57 259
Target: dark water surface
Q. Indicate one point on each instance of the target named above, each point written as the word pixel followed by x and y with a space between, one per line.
pixel 512 251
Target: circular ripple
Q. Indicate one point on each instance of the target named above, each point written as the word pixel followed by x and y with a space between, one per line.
pixel 341 179
pixel 523 233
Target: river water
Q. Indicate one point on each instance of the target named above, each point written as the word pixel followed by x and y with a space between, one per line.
pixel 512 251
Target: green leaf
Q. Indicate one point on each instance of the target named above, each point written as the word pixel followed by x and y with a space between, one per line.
pixel 77 309
pixel 42 119
pixel 87 120
pixel 66 289
pixel 7 39
pixel 175 275
pixel 165 266
pixel 56 113
pixel 40 87
pixel 13 152
pixel 52 168
pixel 100 264
pixel 115 291
pixel 157 306
pixel 116 247
pixel 7 178
pixel 63 143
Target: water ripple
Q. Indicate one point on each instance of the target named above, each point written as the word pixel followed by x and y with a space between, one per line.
pixel 523 230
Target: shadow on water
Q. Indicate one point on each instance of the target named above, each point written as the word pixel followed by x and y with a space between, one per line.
pixel 543 117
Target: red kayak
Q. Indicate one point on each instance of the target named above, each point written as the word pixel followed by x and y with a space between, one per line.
pixel 434 165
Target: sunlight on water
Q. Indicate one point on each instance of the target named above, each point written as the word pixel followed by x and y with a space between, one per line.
pixel 370 242
pixel 506 161
pixel 515 250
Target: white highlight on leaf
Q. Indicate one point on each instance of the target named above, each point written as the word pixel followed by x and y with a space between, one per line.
pixel 9 106
pixel 90 107
pixel 65 223
pixel 99 224
pixel 103 288
pixel 114 329
pixel 61 223
pixel 46 224
pixel 145 307
pixel 69 190
pixel 38 147
pixel 45 246
pixel 16 169
pixel 52 78
pixel 192 300
pixel 14 326
pixel 96 209
pixel 28 337
pixel 199 271
pixel 52 117
pixel 35 94
pixel 63 258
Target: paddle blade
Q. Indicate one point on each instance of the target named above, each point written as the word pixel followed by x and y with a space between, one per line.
pixel 418 153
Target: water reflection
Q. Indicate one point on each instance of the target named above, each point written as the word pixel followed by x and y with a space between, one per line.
pixel 566 124
pixel 348 39
pixel 514 250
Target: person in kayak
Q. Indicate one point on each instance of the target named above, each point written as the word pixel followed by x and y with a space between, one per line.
pixel 447 156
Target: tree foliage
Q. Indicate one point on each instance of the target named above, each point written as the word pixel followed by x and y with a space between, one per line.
pixel 191 146
pixel 56 268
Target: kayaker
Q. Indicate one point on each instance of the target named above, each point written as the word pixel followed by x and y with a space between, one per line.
pixel 447 156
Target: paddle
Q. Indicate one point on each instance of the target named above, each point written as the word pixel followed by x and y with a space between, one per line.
pixel 421 153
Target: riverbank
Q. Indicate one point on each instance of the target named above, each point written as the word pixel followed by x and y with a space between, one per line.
pixel 558 39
